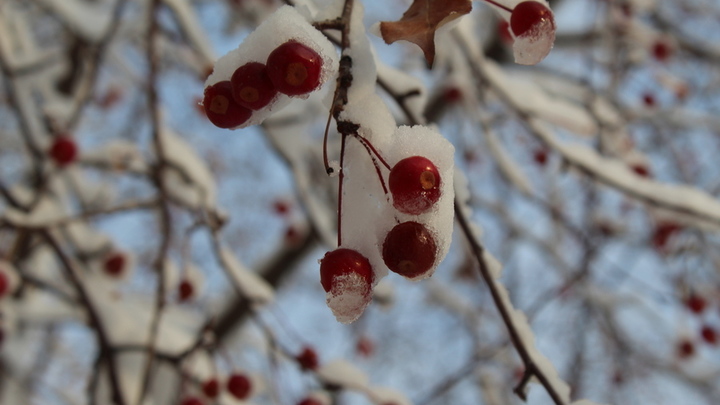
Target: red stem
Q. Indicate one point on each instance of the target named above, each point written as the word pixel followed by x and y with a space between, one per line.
pixel 370 146
pixel 367 146
pixel 340 188
pixel 494 3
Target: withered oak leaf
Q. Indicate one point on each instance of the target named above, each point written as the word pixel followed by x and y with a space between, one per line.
pixel 421 20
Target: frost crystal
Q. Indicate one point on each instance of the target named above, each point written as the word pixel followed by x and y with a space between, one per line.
pixel 349 297
pixel 534 45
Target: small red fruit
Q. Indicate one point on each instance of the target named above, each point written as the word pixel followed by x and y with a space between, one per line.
pixel 220 107
pixel 308 358
pixel 414 184
pixel 114 264
pixel 310 401
pixel 540 156
pixel 409 249
pixel 294 68
pixel 239 386
pixel 281 207
pixel 661 50
pixel 252 87
pixel 641 170
pixel 185 290
pixel 528 14
pixel 4 284
pixel 191 401
pixel 63 150
pixel 365 346
pixel 709 335
pixel 343 262
pixel 649 100
pixel 695 303
pixel 685 349
pixel 211 388
pixel 452 94
pixel 662 233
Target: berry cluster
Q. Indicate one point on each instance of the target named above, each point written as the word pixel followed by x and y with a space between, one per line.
pixel 238 385
pixel 409 248
pixel 293 69
pixel 413 189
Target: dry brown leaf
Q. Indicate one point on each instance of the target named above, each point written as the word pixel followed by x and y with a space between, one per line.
pixel 421 20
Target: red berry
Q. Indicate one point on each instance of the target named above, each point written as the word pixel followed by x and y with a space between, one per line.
pixel 641 170
pixel 695 303
pixel 63 150
pixel 294 68
pixel 185 290
pixel 414 184
pixel 663 232
pixel 540 156
pixel 308 359
pixel 239 386
pixel 114 264
pixel 342 262
pixel 709 335
pixel 649 100
pixel 281 207
pixel 292 235
pixel 529 14
pixel 365 346
pixel 452 95
pixel 220 107
pixel 211 388
pixel 310 401
pixel 685 349
pixel 409 249
pixel 110 98
pixel 252 87
pixel 191 401
pixel 661 50
pixel 4 283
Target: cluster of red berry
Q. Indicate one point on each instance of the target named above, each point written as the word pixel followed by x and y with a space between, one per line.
pixel 409 248
pixel 116 264
pixel 238 385
pixel 293 69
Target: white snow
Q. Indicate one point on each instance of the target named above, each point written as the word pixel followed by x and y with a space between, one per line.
pixel 386 395
pixel 187 177
pixel 507 165
pixel 349 297
pixel 250 285
pixel 90 20
pixel 534 45
pixel 344 374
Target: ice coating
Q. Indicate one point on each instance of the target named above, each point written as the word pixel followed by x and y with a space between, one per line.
pixel 425 141
pixel 349 297
pixel 535 44
pixel 282 26
pixel 367 213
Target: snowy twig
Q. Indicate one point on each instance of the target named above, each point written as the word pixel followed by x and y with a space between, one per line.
pixel 106 352
pixel 531 367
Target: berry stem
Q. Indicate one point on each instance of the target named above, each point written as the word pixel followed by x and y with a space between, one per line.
pixel 370 146
pixel 494 3
pixel 367 146
pixel 328 169
pixel 340 187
